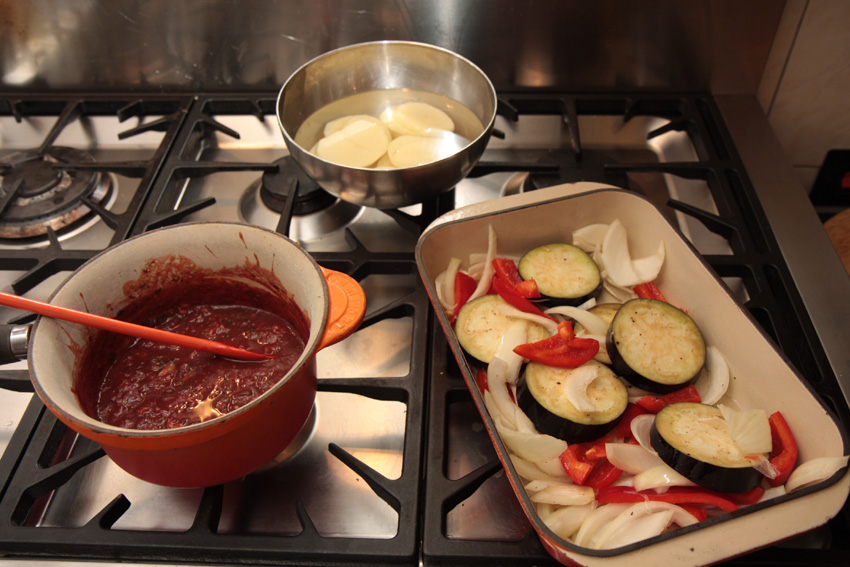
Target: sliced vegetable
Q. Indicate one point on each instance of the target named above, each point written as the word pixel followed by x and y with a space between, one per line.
pixel 513 298
pixel 659 478
pixel 595 523
pixel 586 319
pixel 675 495
pixel 714 380
pixel 541 394
pixel 748 428
pixel 630 458
pixel 486 277
pixel 585 470
pixel 649 290
pixel 814 470
pixel 506 270
pixel 619 266
pixel 783 453
pixel 655 404
pixel 564 494
pixel 359 144
pixel 566 521
pixel 464 287
pixel 416 119
pixel 642 521
pixel 590 237
pixel 563 349
pixel 481 324
pixel 655 346
pixel 562 272
pixel 641 429
pixel 695 441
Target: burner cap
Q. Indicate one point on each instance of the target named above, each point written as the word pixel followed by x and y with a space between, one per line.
pixel 46 196
pixel 289 179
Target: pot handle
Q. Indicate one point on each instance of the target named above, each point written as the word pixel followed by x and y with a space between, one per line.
pixel 347 305
pixel 13 342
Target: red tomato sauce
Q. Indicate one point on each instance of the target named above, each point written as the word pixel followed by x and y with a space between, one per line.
pixel 141 384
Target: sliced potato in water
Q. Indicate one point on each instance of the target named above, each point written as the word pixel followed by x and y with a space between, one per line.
pixel 359 144
pixel 340 123
pixel 416 119
pixel 408 151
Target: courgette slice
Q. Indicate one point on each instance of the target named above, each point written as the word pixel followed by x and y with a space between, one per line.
pixel 541 394
pixel 655 346
pixel 564 273
pixel 481 325
pixel 694 440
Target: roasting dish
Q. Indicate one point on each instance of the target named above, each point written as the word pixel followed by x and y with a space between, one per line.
pixel 763 377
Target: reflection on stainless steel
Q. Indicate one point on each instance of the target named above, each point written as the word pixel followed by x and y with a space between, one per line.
pixel 223 46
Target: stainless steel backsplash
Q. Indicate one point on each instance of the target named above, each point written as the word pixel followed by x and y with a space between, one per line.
pixel 222 45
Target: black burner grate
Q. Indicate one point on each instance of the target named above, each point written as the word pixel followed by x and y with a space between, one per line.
pixel 423 495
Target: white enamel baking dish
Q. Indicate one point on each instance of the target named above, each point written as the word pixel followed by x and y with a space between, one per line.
pixel 763 378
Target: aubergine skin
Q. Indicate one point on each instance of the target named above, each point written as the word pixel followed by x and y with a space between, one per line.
pixel 552 424
pixel 572 301
pixel 706 475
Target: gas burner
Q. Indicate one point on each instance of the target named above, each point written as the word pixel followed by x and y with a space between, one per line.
pixel 315 212
pixel 36 195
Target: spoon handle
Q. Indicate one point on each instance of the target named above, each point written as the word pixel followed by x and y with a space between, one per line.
pixel 125 328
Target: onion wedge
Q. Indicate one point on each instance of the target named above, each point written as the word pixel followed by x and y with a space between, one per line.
pixel 567 520
pixel 659 477
pixel 487 274
pixel 564 494
pixel 621 270
pixel 632 459
pixel 590 237
pixel 814 470
pixel 640 427
pixel 641 521
pixel 575 388
pixel 714 381
pixel 749 429
pixel 594 324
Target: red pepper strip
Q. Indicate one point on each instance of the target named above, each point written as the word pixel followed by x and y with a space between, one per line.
pixel 481 380
pixel 527 289
pixel 649 290
pixel 507 271
pixel 563 349
pixel 783 455
pixel 603 475
pixel 674 495
pixel 655 404
pixel 464 288
pixel 586 469
pixel 623 429
pixel 576 465
pixel 513 298
pixel 744 498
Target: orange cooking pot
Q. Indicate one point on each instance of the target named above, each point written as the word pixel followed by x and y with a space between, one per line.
pixel 232 445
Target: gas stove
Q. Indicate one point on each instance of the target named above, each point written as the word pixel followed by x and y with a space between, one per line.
pixel 394 467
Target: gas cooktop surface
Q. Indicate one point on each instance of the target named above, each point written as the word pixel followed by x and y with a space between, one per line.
pixel 394 466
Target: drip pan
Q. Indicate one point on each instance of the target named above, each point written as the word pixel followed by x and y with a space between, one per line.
pixel 762 376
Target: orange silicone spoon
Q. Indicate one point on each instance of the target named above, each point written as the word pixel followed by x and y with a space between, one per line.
pixel 125 328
